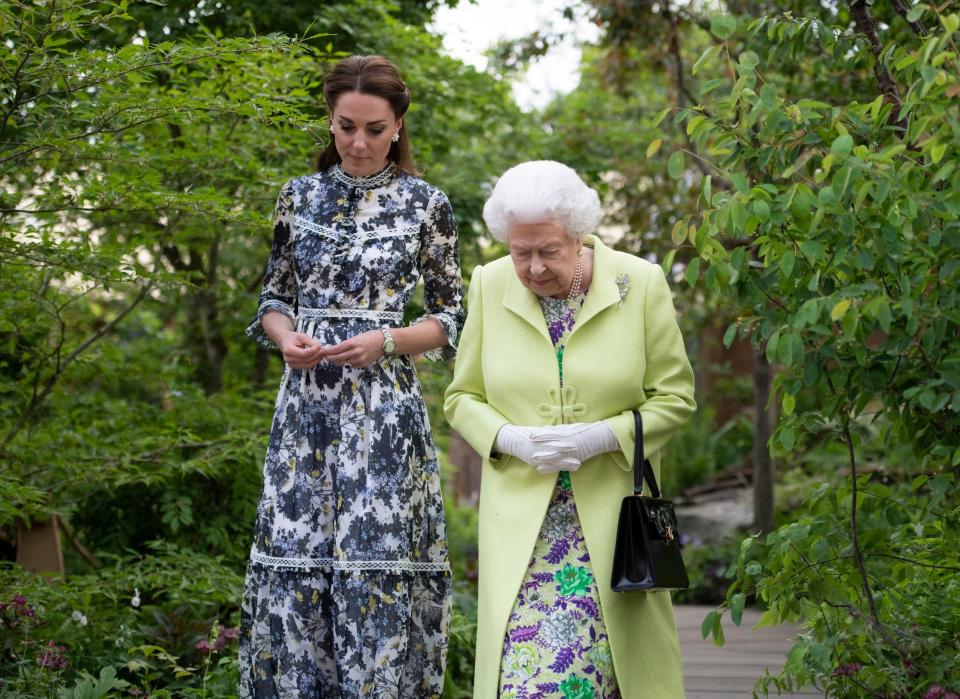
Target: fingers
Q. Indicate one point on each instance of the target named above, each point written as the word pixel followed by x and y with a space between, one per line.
pixel 565 464
pixel 359 352
pixel 303 358
pixel 554 446
pixel 347 355
pixel 559 431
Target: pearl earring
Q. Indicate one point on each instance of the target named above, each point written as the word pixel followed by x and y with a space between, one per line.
pixel 395 137
pixel 331 128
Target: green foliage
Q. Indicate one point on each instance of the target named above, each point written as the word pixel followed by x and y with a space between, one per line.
pixel 142 149
pixel 139 620
pixel 708 567
pixel 830 223
pixel 806 571
pixel 700 450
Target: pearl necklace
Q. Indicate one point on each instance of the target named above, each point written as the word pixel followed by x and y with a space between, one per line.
pixel 577 277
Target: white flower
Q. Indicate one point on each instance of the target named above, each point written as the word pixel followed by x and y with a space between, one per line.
pixel 79 617
pixel 560 630
pixel 135 602
pixel 559 522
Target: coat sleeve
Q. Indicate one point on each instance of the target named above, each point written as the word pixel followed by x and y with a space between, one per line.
pixel 668 380
pixel 465 402
pixel 280 282
pixel 440 263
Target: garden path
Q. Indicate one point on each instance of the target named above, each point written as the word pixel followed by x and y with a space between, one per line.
pixel 730 671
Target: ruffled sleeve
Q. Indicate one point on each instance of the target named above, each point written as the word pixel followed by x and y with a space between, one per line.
pixel 280 282
pixel 440 266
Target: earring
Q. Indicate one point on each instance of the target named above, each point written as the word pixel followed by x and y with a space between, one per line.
pixel 395 137
pixel 331 128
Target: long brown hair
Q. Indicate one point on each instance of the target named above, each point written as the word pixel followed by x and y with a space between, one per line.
pixel 369 75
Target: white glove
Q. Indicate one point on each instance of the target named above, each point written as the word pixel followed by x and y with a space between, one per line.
pixel 548 455
pixel 588 439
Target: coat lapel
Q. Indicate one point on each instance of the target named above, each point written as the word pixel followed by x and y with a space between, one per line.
pixel 520 300
pixel 603 291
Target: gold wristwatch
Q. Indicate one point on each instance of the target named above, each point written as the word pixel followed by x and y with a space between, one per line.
pixel 388 344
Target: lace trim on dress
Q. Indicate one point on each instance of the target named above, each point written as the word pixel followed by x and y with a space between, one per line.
pixel 332 234
pixel 309 225
pixel 365 313
pixel 332 564
pixel 395 233
pixel 368 182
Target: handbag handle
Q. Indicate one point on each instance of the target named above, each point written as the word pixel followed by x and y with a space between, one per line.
pixel 642 468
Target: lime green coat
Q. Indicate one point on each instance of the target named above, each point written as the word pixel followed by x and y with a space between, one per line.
pixel 620 356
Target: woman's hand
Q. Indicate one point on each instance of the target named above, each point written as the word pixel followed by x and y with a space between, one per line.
pixel 588 438
pixel 548 455
pixel 359 351
pixel 300 351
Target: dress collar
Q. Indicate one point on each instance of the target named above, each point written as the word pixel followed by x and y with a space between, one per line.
pixel 373 181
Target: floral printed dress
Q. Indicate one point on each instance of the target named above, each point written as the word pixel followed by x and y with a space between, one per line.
pixel 348 588
pixel 556 644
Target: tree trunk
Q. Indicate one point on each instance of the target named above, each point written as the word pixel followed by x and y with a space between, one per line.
pixel 209 348
pixel 763 515
pixel 261 366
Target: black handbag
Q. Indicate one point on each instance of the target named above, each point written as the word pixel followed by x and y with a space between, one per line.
pixel 647 553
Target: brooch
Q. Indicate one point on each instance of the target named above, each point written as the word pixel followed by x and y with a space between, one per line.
pixel 623 285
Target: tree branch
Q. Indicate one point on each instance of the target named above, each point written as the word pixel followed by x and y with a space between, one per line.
pixel 902 9
pixel 39 397
pixel 867 26
pixel 858 554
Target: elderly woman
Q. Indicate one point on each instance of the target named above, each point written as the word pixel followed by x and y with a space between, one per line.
pixel 563 340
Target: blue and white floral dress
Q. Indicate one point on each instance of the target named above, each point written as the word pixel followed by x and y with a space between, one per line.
pixel 556 645
pixel 348 587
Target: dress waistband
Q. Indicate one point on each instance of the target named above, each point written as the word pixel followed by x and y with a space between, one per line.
pixel 363 313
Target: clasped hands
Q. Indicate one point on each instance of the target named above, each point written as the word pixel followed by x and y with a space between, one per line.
pixel 556 447
pixel 301 351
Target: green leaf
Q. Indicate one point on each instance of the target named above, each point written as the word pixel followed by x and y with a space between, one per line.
pixel 787 263
pixel 749 60
pixel 707 56
pixel 737 603
pixel 675 164
pixel 916 12
pixel 709 621
pixel 936 153
pixel 667 264
pixel 950 22
pixel 654 147
pixel 842 144
pixel 730 335
pixel 712 85
pixel 707 190
pixel 772 346
pixel 808 314
pixel 740 182
pixel 723 26
pixel 813 250
pixel 767 619
pixel 678 234
pixel 693 271
pixel 788 403
pixel 661 116
pixel 849 324
pixel 840 309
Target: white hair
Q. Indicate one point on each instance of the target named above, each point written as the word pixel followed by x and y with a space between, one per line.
pixel 542 191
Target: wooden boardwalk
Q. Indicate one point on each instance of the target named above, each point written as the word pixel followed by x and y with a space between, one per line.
pixel 730 671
